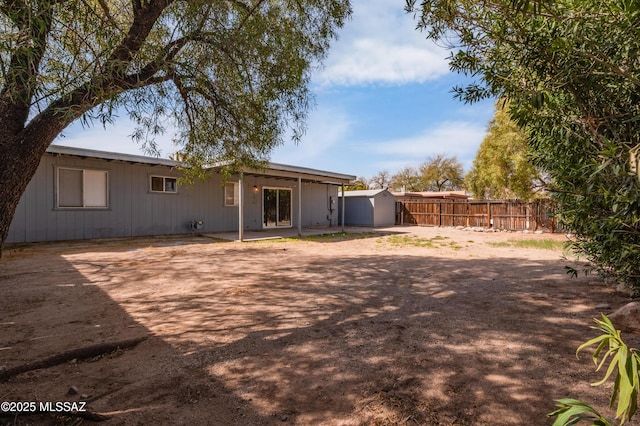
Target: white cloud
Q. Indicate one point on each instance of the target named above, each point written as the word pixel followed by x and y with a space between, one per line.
pixel 454 138
pixel 381 45
pixel 326 128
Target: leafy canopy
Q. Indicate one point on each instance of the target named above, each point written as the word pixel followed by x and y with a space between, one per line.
pixel 438 173
pixel 441 173
pixel 230 75
pixel 571 72
pixel 502 168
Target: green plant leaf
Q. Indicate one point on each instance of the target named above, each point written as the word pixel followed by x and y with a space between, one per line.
pixel 572 411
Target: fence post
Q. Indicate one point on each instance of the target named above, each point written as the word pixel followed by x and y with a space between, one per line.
pixel 488 214
pixel 467 205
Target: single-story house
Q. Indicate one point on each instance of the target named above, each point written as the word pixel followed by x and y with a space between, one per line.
pixel 368 208
pixel 81 194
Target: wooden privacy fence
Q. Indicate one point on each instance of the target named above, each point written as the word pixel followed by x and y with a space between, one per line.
pixel 537 215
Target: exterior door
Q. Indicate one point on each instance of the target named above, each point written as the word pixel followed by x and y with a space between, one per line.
pixel 276 207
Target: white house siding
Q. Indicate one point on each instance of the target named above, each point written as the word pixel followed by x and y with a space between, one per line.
pixel 315 201
pixel 133 210
pixel 316 204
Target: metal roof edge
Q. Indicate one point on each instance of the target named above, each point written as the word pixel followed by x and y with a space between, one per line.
pixel 276 167
pixel 106 155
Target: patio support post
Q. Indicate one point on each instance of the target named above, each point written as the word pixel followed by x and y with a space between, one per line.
pixel 241 207
pixel 299 206
pixel 342 213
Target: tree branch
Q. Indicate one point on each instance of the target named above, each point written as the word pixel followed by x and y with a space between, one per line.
pixel 17 11
pixel 79 353
pixel 105 9
pixel 144 19
pixel 20 80
pixel 249 13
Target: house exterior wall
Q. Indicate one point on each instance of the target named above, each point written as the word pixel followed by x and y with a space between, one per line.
pixel 315 201
pixel 133 210
pixel 319 204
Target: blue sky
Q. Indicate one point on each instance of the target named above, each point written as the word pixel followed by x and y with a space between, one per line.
pixel 383 102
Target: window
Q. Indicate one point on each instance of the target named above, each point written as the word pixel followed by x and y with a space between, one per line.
pixel 231 194
pixel 164 184
pixel 81 188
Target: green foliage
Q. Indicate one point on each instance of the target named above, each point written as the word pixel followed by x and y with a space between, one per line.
pixel 230 75
pixel 413 241
pixel 502 169
pixel 437 173
pixel 624 361
pixel 570 71
pixel 441 173
pixel 358 185
pixel 407 179
pixel 572 411
pixel 543 244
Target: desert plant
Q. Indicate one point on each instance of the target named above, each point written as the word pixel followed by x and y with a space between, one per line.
pixel 627 382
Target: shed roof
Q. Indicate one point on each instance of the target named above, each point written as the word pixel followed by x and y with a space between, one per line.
pixel 272 169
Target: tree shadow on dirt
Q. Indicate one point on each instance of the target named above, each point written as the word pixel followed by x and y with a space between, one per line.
pixel 48 307
pixel 276 335
pixel 357 338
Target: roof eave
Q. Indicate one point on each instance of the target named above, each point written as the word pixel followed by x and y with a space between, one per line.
pixel 273 169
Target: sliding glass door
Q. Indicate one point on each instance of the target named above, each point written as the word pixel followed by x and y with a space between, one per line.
pixel 276 207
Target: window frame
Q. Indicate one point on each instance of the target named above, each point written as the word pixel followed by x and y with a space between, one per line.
pixel 278 189
pixel 85 201
pixel 236 194
pixel 164 184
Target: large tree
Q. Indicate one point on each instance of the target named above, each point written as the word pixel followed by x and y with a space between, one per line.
pixel 229 75
pixel 441 173
pixel 502 168
pixel 438 173
pixel 407 179
pixel 571 71
pixel 381 180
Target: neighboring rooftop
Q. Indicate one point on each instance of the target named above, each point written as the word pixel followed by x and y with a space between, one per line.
pixel 460 195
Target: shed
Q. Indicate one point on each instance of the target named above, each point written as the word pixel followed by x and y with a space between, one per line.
pixel 368 208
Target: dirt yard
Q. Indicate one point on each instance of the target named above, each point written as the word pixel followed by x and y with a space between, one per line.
pixel 422 326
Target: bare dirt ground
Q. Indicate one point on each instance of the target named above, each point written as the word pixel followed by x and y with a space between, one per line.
pixel 427 326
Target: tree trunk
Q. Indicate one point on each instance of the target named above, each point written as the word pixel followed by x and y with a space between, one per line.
pixel 21 150
pixel 18 164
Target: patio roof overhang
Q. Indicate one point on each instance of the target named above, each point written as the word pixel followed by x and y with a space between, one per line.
pixel 272 169
pixel 303 173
